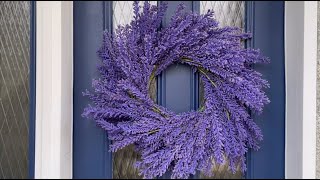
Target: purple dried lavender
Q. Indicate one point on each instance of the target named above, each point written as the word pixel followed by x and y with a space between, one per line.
pixel 190 141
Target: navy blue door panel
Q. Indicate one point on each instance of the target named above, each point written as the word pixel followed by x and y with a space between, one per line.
pixel 178 85
pixel 172 5
pixel 91 158
pixel 177 88
pixel 265 19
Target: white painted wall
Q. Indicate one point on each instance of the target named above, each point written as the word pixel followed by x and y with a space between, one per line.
pixel 54 82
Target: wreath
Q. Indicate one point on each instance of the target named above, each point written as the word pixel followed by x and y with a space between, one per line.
pixel 190 141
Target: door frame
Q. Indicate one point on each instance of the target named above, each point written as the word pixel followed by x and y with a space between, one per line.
pixel 54 85
pixel 269 161
pixel 54 69
pixel 32 90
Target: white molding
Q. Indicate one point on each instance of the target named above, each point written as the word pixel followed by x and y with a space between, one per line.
pixel 301 63
pixel 54 83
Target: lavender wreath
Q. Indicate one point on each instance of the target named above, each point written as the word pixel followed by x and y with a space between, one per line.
pixel 186 142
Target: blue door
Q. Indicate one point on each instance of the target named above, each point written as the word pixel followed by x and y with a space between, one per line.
pixel 178 88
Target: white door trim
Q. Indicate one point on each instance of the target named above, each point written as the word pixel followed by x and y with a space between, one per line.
pixel 54 89
pixel 300 67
